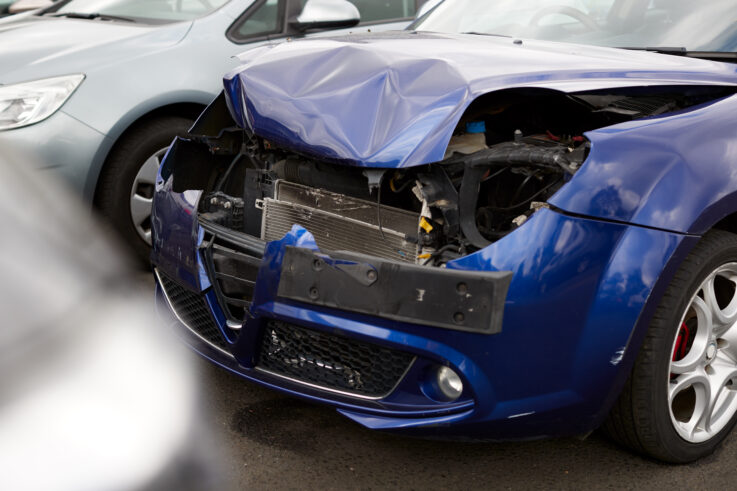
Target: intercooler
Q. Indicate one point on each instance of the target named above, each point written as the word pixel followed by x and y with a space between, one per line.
pixel 341 223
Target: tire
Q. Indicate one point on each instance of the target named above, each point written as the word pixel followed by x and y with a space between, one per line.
pixel 132 162
pixel 663 411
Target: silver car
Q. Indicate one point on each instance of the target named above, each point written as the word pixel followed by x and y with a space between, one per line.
pixel 25 5
pixel 97 89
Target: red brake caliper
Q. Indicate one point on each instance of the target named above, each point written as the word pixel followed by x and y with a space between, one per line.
pixel 679 352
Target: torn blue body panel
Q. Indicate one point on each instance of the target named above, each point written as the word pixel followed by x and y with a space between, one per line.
pixel 394 99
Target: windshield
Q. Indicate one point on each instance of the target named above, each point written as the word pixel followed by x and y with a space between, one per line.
pixel 692 25
pixel 156 10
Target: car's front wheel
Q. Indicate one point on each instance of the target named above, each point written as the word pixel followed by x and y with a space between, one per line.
pixel 126 186
pixel 680 401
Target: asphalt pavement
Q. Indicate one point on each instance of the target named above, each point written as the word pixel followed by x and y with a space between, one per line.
pixel 268 441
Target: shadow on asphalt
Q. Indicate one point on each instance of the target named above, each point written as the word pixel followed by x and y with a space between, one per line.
pixel 273 441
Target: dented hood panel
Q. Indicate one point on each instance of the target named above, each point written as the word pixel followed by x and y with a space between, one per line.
pixel 394 99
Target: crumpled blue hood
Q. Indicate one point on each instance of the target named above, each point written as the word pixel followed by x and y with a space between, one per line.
pixel 394 99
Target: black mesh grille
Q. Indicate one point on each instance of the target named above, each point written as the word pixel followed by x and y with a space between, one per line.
pixel 193 311
pixel 331 361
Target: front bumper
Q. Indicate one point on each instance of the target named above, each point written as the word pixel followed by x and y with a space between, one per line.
pixel 394 377
pixel 65 146
pixel 580 291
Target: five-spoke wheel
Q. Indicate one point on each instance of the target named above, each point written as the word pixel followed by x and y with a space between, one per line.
pixel 680 400
pixel 702 385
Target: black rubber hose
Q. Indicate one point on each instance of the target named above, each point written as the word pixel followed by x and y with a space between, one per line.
pixel 509 154
pixel 515 154
pixel 469 194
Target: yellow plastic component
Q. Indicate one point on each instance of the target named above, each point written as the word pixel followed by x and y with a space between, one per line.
pixel 393 186
pixel 425 225
pixel 424 256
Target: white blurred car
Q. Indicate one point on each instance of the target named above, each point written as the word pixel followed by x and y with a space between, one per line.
pixel 26 5
pixel 90 385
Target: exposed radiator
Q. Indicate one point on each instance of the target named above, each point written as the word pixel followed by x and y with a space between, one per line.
pixel 341 223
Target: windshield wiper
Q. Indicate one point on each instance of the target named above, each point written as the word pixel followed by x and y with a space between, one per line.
pixel 486 34
pixel 663 50
pixel 91 16
pixel 725 56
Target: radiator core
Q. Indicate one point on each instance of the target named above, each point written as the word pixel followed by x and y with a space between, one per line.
pixel 341 223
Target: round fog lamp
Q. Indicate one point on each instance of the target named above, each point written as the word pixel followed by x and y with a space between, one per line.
pixel 449 383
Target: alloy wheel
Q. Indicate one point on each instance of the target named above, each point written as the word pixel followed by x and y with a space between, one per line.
pixel 702 382
pixel 142 194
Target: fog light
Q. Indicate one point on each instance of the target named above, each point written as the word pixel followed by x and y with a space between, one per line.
pixel 449 383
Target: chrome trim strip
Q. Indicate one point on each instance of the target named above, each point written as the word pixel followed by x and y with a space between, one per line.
pixel 181 321
pixel 340 392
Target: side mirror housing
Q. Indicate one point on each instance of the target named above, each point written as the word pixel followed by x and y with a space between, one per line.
pixel 326 14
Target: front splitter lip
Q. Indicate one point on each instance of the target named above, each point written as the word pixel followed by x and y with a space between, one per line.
pixel 456 413
pixel 374 422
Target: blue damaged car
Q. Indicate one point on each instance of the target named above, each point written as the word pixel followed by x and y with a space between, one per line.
pixel 498 224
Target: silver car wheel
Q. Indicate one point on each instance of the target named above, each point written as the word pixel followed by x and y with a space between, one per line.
pixel 702 386
pixel 141 198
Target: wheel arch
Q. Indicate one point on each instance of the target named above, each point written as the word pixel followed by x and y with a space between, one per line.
pixel 721 216
pixel 189 109
pixel 724 218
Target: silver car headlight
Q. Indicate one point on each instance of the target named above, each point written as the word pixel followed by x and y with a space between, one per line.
pixel 30 102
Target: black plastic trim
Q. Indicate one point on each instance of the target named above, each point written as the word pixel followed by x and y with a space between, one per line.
pixel 251 245
pixel 471 301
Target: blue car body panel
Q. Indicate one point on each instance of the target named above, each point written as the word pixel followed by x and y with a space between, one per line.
pixel 673 172
pixel 394 100
pixel 587 274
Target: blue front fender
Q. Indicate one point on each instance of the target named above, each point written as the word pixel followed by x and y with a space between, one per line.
pixel 580 301
pixel 673 172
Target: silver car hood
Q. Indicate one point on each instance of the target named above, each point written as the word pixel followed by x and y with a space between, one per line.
pixel 33 47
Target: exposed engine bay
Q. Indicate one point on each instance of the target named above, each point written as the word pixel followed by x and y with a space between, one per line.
pixel 511 151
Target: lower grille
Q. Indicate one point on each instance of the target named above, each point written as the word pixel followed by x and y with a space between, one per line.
pixel 193 311
pixel 331 362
